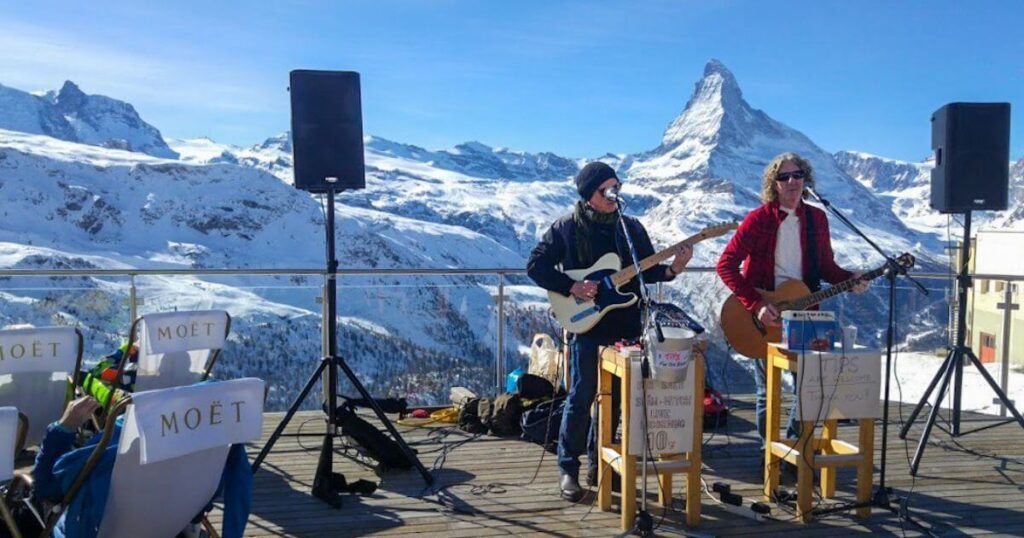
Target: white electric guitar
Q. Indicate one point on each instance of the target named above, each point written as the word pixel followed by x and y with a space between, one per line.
pixel 578 315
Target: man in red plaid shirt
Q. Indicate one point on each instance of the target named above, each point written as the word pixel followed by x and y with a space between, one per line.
pixel 775 243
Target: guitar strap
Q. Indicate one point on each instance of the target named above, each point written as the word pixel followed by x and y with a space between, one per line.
pixel 813 276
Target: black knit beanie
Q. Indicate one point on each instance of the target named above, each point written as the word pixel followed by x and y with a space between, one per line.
pixel 591 177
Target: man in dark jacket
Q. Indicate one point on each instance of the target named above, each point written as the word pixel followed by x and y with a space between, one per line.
pixel 576 241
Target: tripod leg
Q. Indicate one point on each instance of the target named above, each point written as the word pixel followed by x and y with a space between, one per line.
pixel 946 373
pixel 927 393
pixel 409 454
pixel 995 386
pixel 323 481
pixel 288 416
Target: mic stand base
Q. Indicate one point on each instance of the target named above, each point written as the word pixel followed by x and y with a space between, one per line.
pixel 882 498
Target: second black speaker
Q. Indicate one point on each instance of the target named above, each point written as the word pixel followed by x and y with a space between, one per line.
pixel 327 130
pixel 972 157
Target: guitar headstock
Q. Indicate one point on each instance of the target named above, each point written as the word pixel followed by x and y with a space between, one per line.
pixel 717 230
pixel 906 260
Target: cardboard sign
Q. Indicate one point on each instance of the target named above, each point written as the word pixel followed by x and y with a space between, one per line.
pixel 171 332
pixel 42 349
pixel 839 384
pixel 669 411
pixel 182 420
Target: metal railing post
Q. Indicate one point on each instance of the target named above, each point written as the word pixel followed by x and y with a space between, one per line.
pixel 133 305
pixel 500 353
pixel 1008 307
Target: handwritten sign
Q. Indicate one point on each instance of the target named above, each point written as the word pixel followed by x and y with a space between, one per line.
pixel 182 420
pixel 8 436
pixel 839 384
pixel 43 349
pixel 669 411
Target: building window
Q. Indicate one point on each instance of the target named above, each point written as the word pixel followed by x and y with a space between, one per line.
pixel 984 285
pixel 1000 285
pixel 988 347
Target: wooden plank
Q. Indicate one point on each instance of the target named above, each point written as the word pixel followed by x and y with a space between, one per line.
pixel 511 487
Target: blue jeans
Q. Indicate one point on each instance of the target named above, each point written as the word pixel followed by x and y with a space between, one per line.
pixel 793 426
pixel 573 435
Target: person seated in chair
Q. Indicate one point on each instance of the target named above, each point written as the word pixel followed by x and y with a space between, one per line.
pixel 59 462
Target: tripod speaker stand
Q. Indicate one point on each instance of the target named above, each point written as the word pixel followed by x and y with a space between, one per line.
pixel 324 487
pixel 953 367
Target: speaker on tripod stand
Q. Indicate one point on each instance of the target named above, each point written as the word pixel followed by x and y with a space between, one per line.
pixel 972 162
pixel 327 146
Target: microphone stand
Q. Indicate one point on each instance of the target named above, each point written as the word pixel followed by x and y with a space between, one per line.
pixel 644 522
pixel 881 497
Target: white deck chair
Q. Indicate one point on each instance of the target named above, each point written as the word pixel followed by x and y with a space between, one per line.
pixel 175 348
pixel 36 373
pixel 12 433
pixel 171 454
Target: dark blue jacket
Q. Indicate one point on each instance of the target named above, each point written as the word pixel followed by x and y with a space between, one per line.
pixel 57 465
pixel 556 252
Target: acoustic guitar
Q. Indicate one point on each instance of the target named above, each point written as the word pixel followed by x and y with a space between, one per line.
pixel 579 316
pixel 749 337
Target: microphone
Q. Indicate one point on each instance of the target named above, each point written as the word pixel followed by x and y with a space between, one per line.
pixel 612 194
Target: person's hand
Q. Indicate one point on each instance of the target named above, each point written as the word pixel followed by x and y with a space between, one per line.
pixel 768 315
pixel 584 290
pixel 683 255
pixel 861 286
pixel 78 411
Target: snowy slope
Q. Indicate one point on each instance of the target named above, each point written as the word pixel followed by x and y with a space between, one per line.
pixel 907 187
pixel 71 115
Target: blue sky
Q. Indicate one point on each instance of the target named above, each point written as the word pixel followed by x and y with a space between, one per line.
pixel 576 78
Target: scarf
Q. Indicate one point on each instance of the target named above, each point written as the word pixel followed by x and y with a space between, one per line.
pixel 585 218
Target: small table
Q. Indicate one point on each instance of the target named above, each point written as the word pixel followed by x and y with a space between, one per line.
pixel 617 456
pixel 834 453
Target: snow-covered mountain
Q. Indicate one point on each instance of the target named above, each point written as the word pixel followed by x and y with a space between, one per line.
pixel 69 204
pixel 906 186
pixel 69 114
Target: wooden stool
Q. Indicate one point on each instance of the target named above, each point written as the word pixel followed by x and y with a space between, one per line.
pixel 616 456
pixel 833 452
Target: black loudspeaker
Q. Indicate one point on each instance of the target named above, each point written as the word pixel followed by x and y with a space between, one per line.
pixel 327 130
pixel 972 157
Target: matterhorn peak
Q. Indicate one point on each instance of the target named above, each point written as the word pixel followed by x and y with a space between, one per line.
pixel 717 77
pixel 714 96
pixel 69 98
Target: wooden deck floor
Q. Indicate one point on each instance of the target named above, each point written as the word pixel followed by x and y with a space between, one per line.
pixel 489 486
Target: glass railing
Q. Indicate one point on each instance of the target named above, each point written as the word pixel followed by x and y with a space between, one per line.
pixel 417 333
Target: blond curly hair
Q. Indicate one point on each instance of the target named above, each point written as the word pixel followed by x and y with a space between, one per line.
pixel 768 192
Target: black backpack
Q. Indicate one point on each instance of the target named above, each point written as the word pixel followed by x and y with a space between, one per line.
pixel 502 414
pixel 469 417
pixel 533 387
pixel 378 446
pixel 541 424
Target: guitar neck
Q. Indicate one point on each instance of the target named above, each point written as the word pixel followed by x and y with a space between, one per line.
pixel 810 300
pixel 628 273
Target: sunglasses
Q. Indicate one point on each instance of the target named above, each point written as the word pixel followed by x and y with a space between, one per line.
pixel 786 176
pixel 617 186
